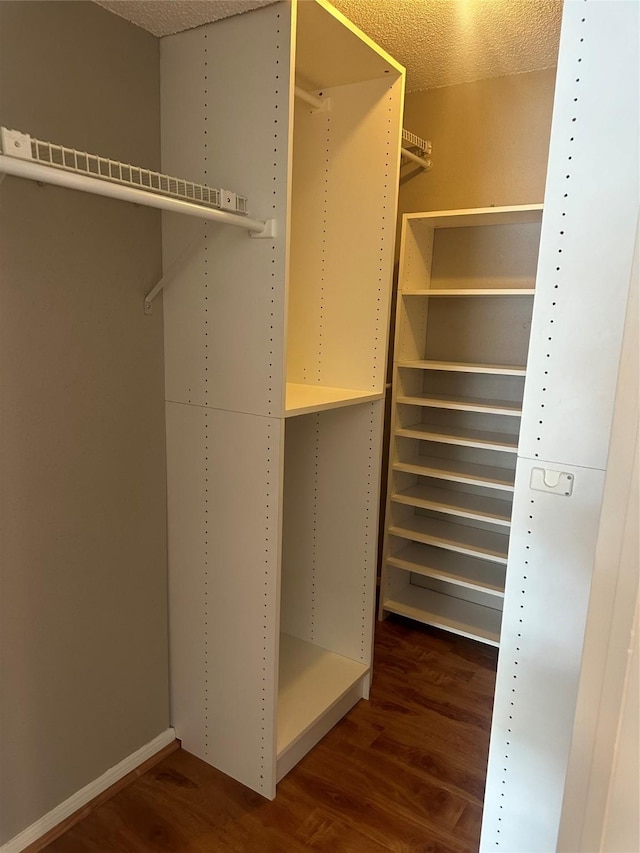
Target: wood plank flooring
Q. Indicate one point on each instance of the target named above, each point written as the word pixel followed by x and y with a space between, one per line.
pixel 403 772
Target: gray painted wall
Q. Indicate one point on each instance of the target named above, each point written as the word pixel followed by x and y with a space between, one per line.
pixel 83 652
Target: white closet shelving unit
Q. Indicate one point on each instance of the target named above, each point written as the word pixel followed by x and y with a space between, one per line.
pixel 462 333
pixel 275 357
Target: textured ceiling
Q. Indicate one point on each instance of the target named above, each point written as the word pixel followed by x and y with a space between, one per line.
pixel 440 42
pixel 164 17
pixel 443 42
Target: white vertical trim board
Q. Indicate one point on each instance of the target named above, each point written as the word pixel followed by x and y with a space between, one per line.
pixel 588 236
pixel 86 794
pixel 551 549
pixel 586 254
pixel 614 590
pixel 224 508
pixel 224 311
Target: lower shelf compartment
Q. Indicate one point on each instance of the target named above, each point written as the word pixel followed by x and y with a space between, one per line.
pixel 451 614
pixel 315 689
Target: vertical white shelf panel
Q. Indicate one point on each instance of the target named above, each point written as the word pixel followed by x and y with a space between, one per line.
pixel 258 554
pixel 224 549
pixel 224 313
pixel 546 596
pixel 586 256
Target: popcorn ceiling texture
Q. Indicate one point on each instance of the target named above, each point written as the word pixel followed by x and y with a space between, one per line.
pixel 440 42
pixel 164 17
pixel 445 42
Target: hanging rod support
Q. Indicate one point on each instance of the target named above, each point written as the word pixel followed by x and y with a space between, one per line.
pixel 176 267
pixel 320 105
pixel 424 164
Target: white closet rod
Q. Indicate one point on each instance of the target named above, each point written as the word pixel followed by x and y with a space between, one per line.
pixel 422 145
pixel 424 164
pixel 320 104
pixel 22 165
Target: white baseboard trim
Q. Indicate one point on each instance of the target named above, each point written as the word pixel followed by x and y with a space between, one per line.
pixel 84 795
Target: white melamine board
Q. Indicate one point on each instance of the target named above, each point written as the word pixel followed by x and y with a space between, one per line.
pixel 332 471
pixel 614 589
pixel 461 435
pixel 302 399
pixel 444 611
pixel 586 255
pixel 342 229
pixel 464 505
pixel 453 568
pixel 224 312
pixel 466 404
pixel 587 239
pixel 224 471
pixel 471 291
pixel 188 596
pixel 331 51
pixel 550 559
pixel 311 680
pixel 458 471
pixel 475 217
pixel 484 544
pixel 466 367
pixel 221 326
pixel 416 251
pixel 192 64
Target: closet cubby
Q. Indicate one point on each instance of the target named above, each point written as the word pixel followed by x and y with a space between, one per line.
pixel 342 178
pixel 465 298
pixel 275 360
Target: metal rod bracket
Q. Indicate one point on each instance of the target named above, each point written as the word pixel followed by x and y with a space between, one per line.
pixel 267 233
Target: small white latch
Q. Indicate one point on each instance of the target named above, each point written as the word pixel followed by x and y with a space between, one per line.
pixel 228 200
pixel 556 482
pixel 15 144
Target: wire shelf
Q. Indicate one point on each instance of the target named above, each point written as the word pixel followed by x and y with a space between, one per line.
pixel 83 163
pixel 416 141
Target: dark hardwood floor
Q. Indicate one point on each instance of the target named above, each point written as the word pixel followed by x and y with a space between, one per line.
pixel 402 772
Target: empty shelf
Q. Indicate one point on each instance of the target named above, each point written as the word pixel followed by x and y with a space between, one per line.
pixel 311 681
pixel 472 291
pixel 463 404
pixel 461 436
pixel 444 611
pixel 458 471
pixel 466 367
pixel 485 544
pixel 461 504
pixel 467 572
pixel 302 399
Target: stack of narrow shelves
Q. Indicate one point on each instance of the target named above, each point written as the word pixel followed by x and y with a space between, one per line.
pixel 465 300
